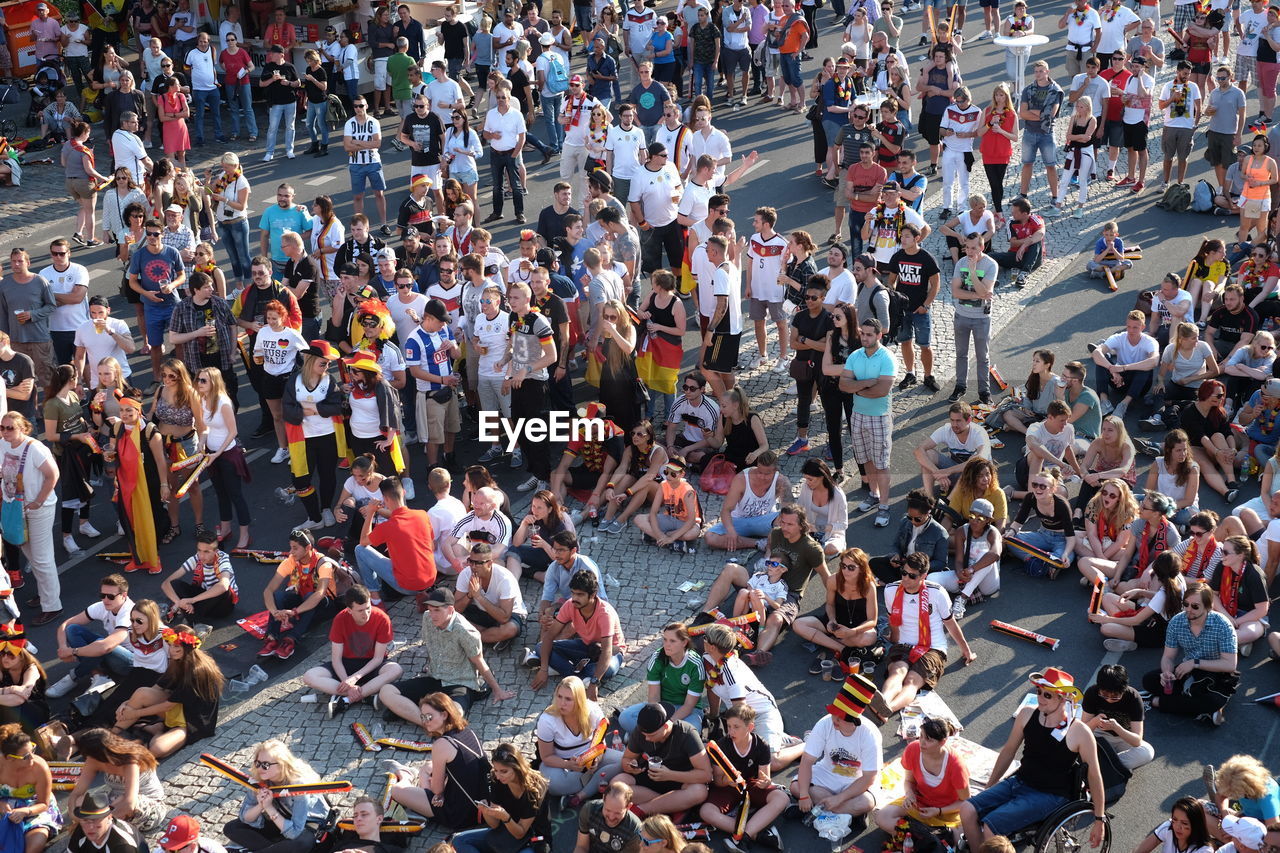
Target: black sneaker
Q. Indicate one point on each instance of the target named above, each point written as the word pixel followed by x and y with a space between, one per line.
pixel 770 838
pixel 931 383
pixel 815 665
pixel 907 382
pixel 1090 347
pixel 956 393
pixel 944 214
pixel 984 397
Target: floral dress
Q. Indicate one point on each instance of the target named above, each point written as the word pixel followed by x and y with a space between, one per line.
pixel 25 795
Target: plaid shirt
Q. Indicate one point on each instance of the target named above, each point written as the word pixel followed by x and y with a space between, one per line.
pixel 178 240
pixel 1216 639
pixel 188 317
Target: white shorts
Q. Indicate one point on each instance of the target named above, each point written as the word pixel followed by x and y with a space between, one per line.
pixel 380 74
pixel 432 172
pixel 1149 13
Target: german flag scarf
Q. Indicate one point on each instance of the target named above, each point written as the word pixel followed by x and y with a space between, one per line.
pixel 293 434
pixel 136 500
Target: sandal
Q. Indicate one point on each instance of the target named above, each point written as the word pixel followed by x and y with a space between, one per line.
pixel 171 534
pixel 200 529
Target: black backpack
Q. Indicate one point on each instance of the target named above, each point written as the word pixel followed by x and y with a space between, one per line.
pixel 898 308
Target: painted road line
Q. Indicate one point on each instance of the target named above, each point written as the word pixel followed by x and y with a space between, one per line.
pixel 322 179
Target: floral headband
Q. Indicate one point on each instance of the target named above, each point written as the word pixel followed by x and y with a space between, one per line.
pixel 189 640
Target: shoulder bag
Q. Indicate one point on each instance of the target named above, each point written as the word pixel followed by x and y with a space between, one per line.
pixel 13 519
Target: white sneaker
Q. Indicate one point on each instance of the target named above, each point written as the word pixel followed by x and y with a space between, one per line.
pixel 409 491
pixel 308 524
pixel 69 542
pixel 791 390
pixel 281 455
pixel 267 158
pixel 290 155
pixel 100 682
pixel 62 686
pixel 327 519
pixel 781 365
pixel 1121 410
pixel 1113 644
pixel 528 485
pixel 87 529
pixel 755 363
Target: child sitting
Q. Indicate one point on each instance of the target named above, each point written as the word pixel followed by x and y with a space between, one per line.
pixel 1108 252
pixel 765 591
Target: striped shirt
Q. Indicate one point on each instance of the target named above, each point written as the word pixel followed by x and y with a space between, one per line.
pixel 363 131
pixel 498 528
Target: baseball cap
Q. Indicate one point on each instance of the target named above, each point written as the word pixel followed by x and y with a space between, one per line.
pixel 348 269
pixel 1271 388
pixel 577 78
pixel 174 208
pixel 651 718
pixel 1139 60
pixel 982 507
pixel 546 39
pixel 386 254
pixel 441 596
pixel 180 832
pixel 1244 150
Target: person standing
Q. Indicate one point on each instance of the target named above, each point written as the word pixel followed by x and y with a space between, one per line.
pixel 203 62
pixel 129 152
pixel 361 139
pixel 654 198
pixel 47 33
pixel 279 79
pixel 1181 101
pixel 868 375
pixel 315 81
pixel 69 284
pixel 914 273
pixel 505 131
pixel 1038 106
pixel 155 273
pixel 973 288
pixel 1084 31
pixel 1225 108
pixel 407 28
pixel 533 350
pixel 27 303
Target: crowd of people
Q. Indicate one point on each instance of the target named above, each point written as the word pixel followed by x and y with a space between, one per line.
pixel 411 324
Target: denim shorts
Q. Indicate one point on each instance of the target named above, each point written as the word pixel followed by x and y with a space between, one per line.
pixel 833 130
pixel 371 172
pixel 918 328
pixel 464 176
pixel 789 63
pixel 1042 142
pixel 1010 806
pixel 756 527
pixel 157 317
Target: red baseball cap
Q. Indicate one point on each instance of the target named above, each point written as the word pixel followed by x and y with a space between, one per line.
pixel 182 830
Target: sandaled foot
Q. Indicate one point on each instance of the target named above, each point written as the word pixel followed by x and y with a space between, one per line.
pixel 171 534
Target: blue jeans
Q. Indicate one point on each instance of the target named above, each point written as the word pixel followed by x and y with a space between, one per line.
pixel 235 235
pixel 1041 143
pixel 704 78
pixel 505 163
pixel 375 568
pixel 1046 540
pixel 199 100
pixel 473 841
pixel 276 114
pixel 565 655
pixel 551 118
pixel 1010 806
pixel 583 14
pixel 317 122
pixel 116 662
pixel 240 104
pixel 753 527
pixel 287 599
pixel 631 714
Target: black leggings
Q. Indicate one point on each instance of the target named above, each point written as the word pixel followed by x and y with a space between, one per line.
pixel 229 488
pixel 361 446
pixel 838 407
pixel 69 517
pixel 268 839
pixel 995 177
pixel 1207 692
pixel 218 607
pixel 322 464
pixel 804 399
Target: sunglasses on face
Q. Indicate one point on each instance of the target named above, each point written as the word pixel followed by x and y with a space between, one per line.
pixel 263 765
pixel 849 567
pixel 1039 486
pixel 107 596
pixel 1048 694
pixel 907 573
pixel 812 297
pixel 58 254
pixel 153 233
pixel 1191 605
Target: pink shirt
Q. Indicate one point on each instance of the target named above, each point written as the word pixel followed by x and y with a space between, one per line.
pixel 604 622
pixel 48 29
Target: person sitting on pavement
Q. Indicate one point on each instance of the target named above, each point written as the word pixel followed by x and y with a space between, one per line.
pixel 1247 368
pixel 94 652
pixel 1050 442
pixel 301 591
pixel 589 461
pixel 1186 829
pixel 920 618
pixel 204 587
pixel 766 589
pixel 979 480
pixel 531 543
pixel 22 679
pixel 1212 440
pixel 183 834
pixel 640 467
pixel 1244 835
pixel 483 524
pixel 1201 552
pixel 31 807
pixel 674 519
pixel 692 421
pixel 609 826
pixel 489 597
pixel 1045 777
pixel 1124 365
pixel 1026 242
pixel 824 504
pixel 98 829
pixel 943 454
pixel 409 566
pixel 1138 616
pixel 1260 418
pixel 665 764
pixel 1200 684
pixel 1176 473
pixel 1151 535
pixel 846 622
pixel 730 681
pixel 447 785
pixel 134 791
pixel 674 677
pixel 840 767
pixel 936 780
pixel 1170 306
pixel 918 532
pixel 457 665
pixel 751 757
pixel 1113 709
pixel 584 639
pixel 358 667
pixel 1109 456
pixel 976 572
pixel 1108 253
pixel 515 812
pixel 1186 362
pixel 1232 325
pixel 1056 534
pixel 1244 787
pixel 366 834
pixel 566 563
pixel 790 543
pixel 564 731
pixel 1240 592
pixel 1086 410
pixel 752 504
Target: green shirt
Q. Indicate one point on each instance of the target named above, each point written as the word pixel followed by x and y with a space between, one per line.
pixel 398 65
pixel 677 683
pixel 450 650
pixel 801 558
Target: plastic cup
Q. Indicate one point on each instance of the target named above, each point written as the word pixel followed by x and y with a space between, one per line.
pixel 828 670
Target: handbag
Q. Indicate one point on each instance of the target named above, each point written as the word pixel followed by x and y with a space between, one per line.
pixel 814 113
pixel 642 394
pixel 13 520
pixel 717 475
pixel 801 370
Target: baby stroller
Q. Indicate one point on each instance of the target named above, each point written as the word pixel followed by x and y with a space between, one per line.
pixel 48 80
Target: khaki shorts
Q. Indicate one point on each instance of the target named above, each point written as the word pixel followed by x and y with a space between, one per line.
pixel 80 188
pixel 437 419
pixel 930 666
pixel 757 309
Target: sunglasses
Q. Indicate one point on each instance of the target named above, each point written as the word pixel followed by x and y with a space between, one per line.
pixel 109 596
pixel 673 472
pixel 906 573
pixel 849 567
pixel 202 379
pixel 772 564
pixel 479 562
pixel 153 233
pixel 263 765
pixel 1049 694
pixel 1039 486
pixel 693 387
pixel 916 519
pixel 1190 605
pixel 58 254
pixel 813 297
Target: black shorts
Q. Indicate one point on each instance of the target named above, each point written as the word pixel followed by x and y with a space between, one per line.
pixel 989 4
pixel 1201 67
pixel 477 616
pixel 583 478
pixel 273 386
pixel 1135 136
pixel 1113 134
pixel 414 689
pixel 930 126
pixel 722 355
pixel 353 665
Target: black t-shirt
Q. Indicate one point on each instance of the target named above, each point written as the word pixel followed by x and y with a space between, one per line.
pixel 314 94
pixel 160 84
pixel 14 372
pixel 301 270
pixel 551 224
pixel 1059 522
pixel 279 92
pixel 427 131
pixel 1251 591
pixel 812 329
pixel 603 838
pixel 676 751
pixel 519 87
pixel 201 715
pixel 552 307
pixel 914 272
pixel 1198 426
pixel 1231 326
pixel 455 36
pixel 522 808
pixel 748 765
pixel 1126 711
pixel 122 838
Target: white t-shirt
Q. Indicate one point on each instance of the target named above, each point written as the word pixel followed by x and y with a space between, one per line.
pixel 551 729
pixel 217 436
pixel 842 288
pixel 738 683
pixel 732 40
pixel 1124 352
pixel 654 191
pixel 203 73
pixel 938 606
pixel 503 33
pixel 1169 844
pixel 77 40
pixel 715 144
pixel 497 526
pixel 508 127
pixel 363 131
pixel 1159 305
pixel 1187 118
pixel 227 28
pixel 128 152
pixel 1251 26
pixel 279 350
pixel 960 121
pixel 978 442
pixel 97 612
pixel 704 275
pixel 696 201
pixel 493 336
pixel 32 478
pixel 316 425
pixel 1055 444
pixel 502 585
pixel 150 655
pixel 67 318
pixel 765 258
pixel 1080 28
pixel 443 94
pixel 1140 113
pixel 541 66
pixel 98 345
pixel 626 146
pixel 639 27
pixel 728 283
pixel 840 760
pixel 446 513
pixel 1113 37
pixel 406 326
pixel 578 111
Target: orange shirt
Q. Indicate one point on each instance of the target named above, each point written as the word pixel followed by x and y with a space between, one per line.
pixel 797 36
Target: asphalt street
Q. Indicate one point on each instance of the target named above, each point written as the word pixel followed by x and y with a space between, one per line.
pixel 1064 317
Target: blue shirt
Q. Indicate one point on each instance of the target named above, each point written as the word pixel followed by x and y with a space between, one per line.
pixel 1216 639
pixel 277 220
pixel 1266 809
pixel 555 584
pixel 863 366
pixel 660 42
pixel 606 66
pixel 1265 428
pixel 151 269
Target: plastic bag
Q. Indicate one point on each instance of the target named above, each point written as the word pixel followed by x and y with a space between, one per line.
pixel 832 827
